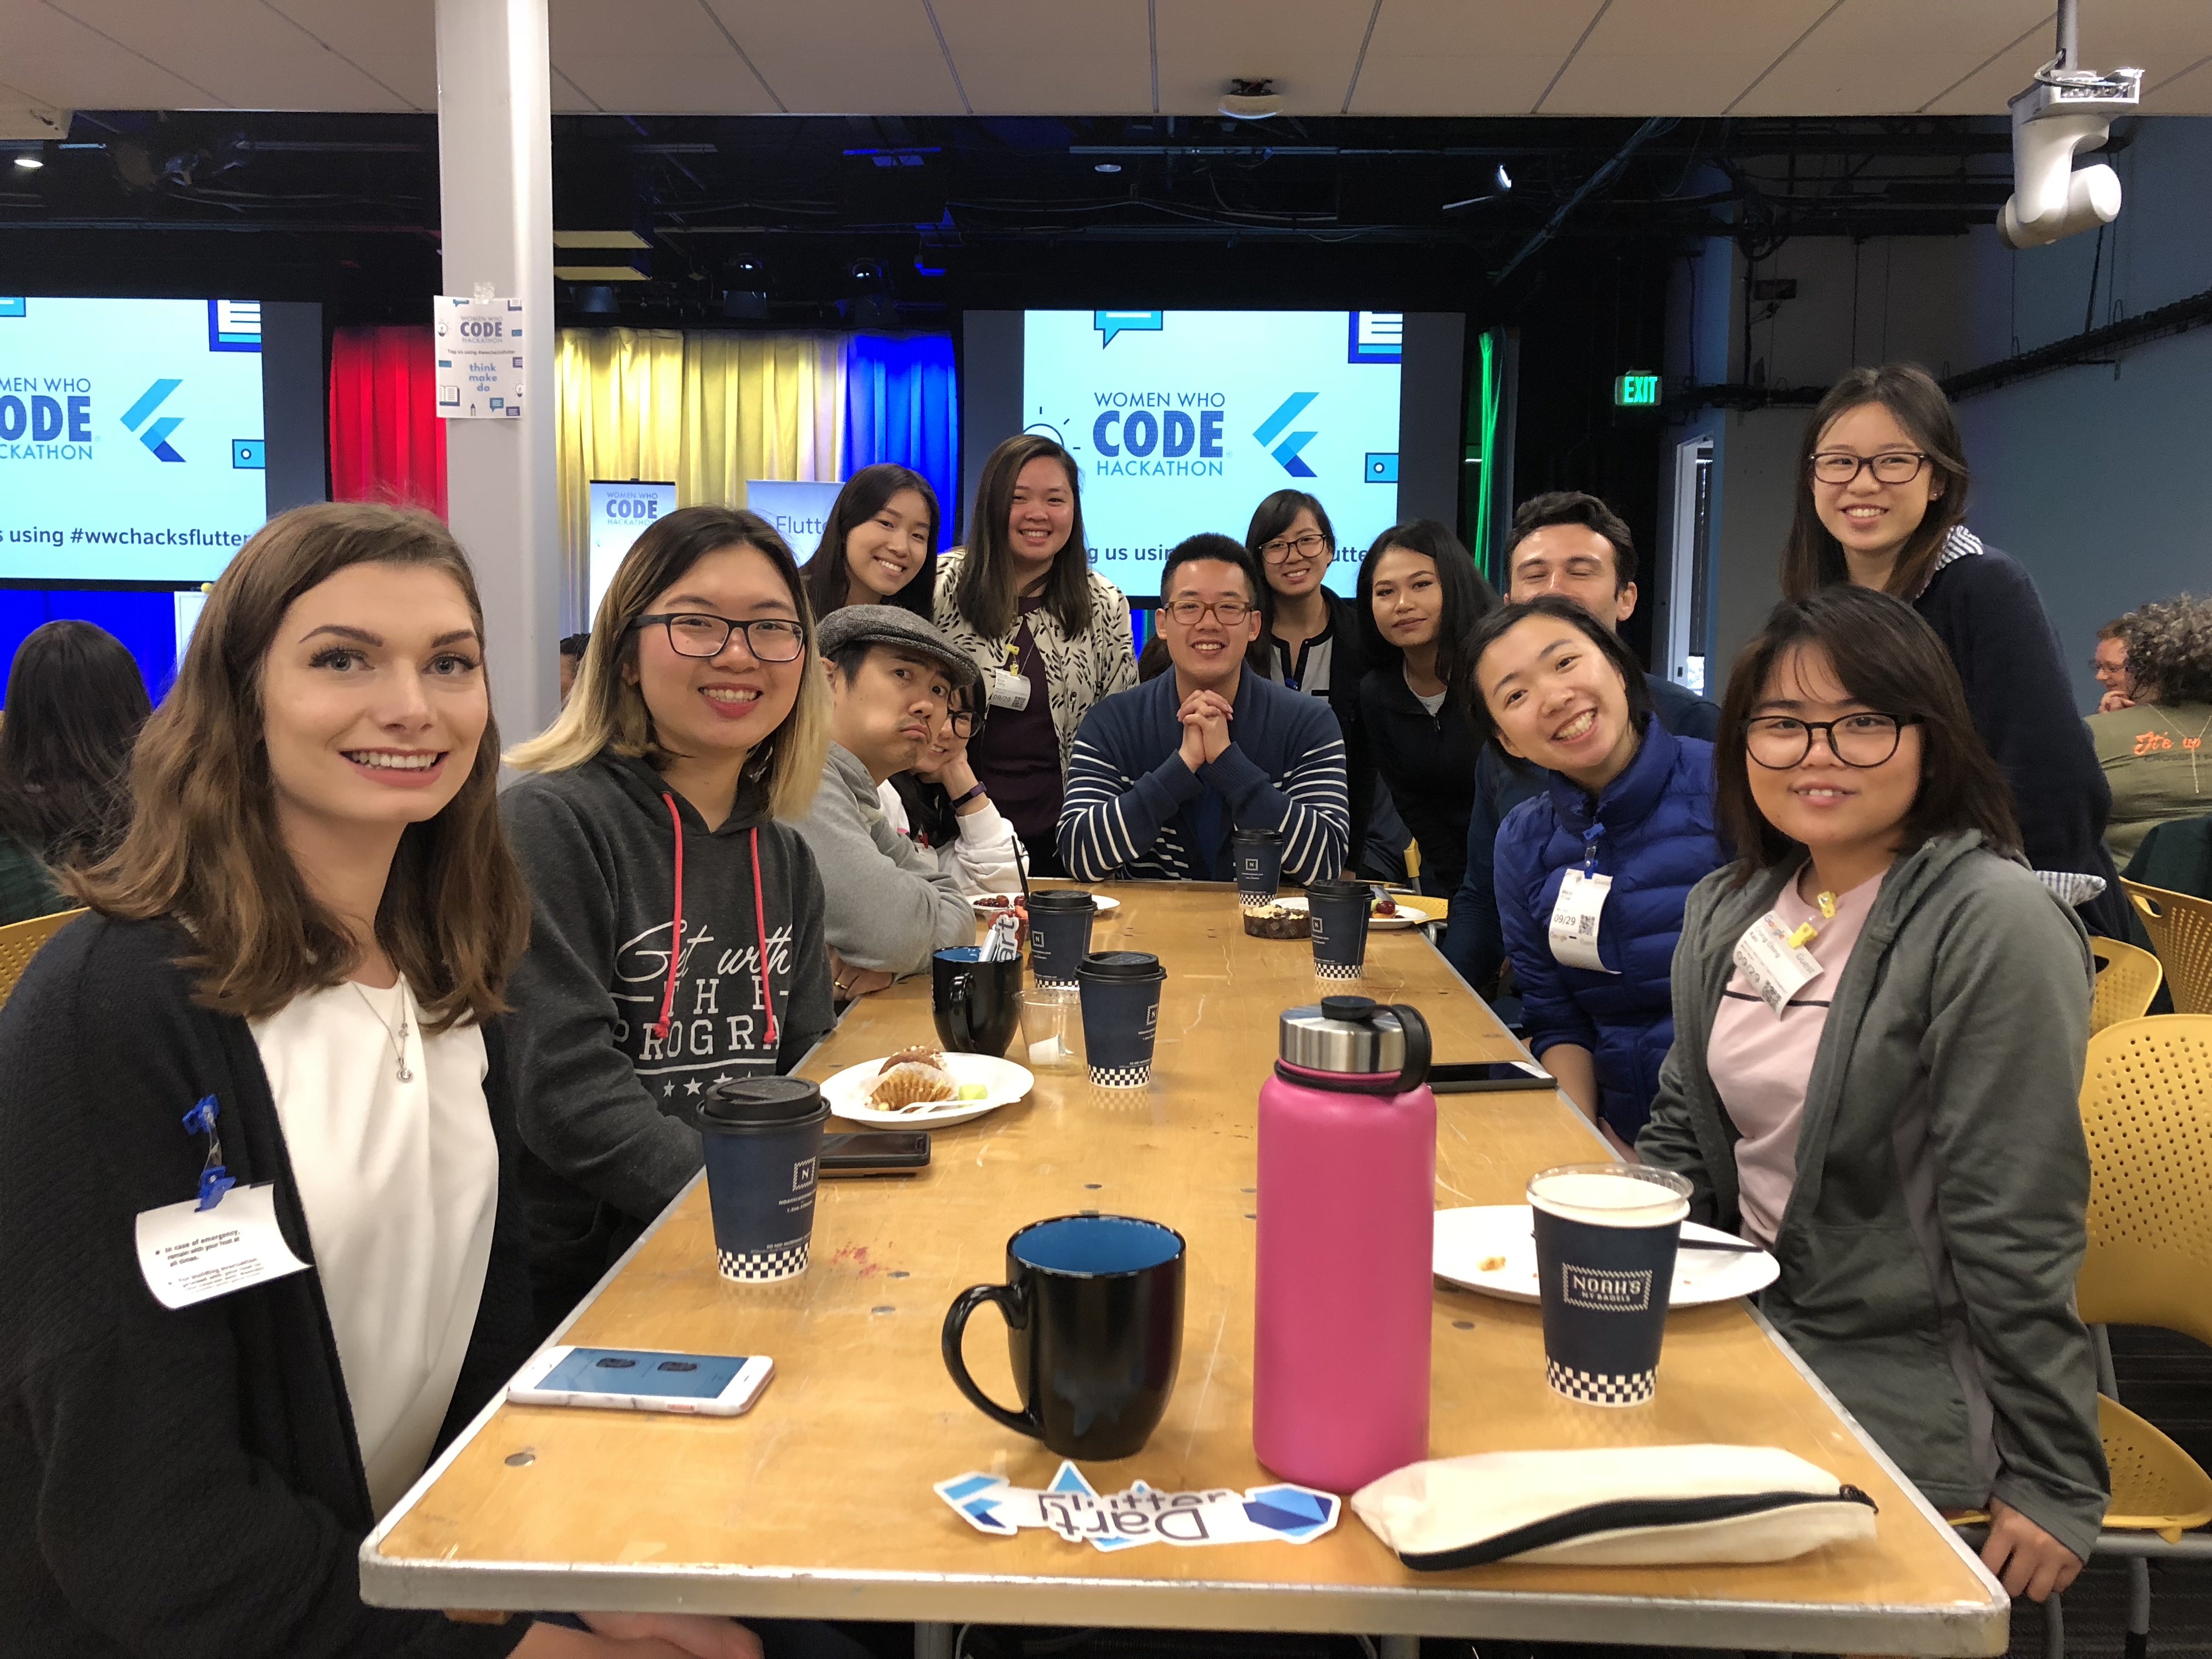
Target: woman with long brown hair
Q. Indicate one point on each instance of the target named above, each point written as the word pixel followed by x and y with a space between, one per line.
pixel 276 1029
pixel 677 931
pixel 1879 1022
pixel 1881 503
pixel 1050 633
pixel 878 545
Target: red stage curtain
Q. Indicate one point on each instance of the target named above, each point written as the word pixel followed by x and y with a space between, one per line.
pixel 388 443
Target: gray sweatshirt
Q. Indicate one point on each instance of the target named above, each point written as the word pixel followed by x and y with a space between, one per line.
pixel 601 1088
pixel 889 906
pixel 1930 1243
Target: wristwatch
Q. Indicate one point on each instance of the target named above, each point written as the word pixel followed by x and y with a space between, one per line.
pixel 978 792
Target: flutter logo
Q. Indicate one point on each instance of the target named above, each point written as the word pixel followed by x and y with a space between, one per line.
pixel 1287 452
pixel 156 437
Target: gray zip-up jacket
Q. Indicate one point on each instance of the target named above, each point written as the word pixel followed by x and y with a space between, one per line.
pixel 1929 1247
pixel 888 906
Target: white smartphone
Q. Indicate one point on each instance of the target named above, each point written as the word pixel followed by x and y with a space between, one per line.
pixel 642 1380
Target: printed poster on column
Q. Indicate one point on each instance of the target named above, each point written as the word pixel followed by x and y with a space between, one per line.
pixel 479 341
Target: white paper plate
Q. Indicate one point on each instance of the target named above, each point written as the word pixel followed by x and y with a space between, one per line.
pixel 1467 1238
pixel 847 1092
pixel 1105 902
pixel 1413 910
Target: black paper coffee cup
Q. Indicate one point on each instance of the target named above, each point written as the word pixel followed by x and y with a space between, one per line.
pixel 1606 1236
pixel 1339 909
pixel 1120 991
pixel 1059 934
pixel 1258 854
pixel 763 1137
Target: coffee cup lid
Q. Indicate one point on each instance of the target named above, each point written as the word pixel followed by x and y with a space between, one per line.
pixel 1263 836
pixel 759 1099
pixel 1120 964
pixel 1056 899
pixel 1332 889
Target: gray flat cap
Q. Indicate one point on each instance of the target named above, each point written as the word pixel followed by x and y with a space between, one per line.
pixel 888 624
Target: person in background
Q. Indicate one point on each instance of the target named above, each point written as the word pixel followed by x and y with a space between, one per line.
pixel 2153 749
pixel 2110 665
pixel 940 806
pixel 878 545
pixel 75 704
pixel 676 925
pixel 1592 874
pixel 892 676
pixel 1881 501
pixel 1419 597
pixel 1897 1116
pixel 1166 773
pixel 1573 545
pixel 572 658
pixel 307 930
pixel 1050 635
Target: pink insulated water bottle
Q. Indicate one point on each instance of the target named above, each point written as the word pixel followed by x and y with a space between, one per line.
pixel 1348 1200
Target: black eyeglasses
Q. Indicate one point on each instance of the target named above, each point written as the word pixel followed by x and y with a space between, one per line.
pixel 1779 742
pixel 1839 466
pixel 1188 611
pixel 1310 545
pixel 702 633
pixel 965 722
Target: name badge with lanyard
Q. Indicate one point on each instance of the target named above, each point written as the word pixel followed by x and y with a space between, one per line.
pixel 1773 959
pixel 220 1241
pixel 1010 687
pixel 1580 906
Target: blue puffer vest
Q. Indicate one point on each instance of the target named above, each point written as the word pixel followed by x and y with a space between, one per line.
pixel 1652 832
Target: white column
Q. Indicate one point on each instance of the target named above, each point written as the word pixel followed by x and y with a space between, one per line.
pixel 495 186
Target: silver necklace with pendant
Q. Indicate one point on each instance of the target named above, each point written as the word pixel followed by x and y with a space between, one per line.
pixel 401 1071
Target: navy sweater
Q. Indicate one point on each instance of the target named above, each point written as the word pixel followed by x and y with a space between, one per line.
pixel 1134 811
pixel 1651 830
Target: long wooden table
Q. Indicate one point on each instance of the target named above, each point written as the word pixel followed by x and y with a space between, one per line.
pixel 817 1503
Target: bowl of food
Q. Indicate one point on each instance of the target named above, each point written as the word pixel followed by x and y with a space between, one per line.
pixel 1284 919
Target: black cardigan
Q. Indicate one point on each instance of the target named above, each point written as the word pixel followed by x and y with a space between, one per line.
pixel 183 1483
pixel 1984 609
pixel 1428 762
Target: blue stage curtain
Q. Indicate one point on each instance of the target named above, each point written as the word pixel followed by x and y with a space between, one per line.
pixel 145 623
pixel 903 404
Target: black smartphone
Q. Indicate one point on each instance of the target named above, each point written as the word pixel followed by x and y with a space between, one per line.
pixel 879 1152
pixel 1466 1076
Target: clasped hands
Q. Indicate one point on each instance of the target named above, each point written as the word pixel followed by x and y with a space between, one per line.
pixel 1204 716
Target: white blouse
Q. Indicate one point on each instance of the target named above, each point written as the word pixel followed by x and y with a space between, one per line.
pixel 980 861
pixel 400 1184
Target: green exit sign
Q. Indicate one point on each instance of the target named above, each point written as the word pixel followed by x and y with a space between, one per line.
pixel 1636 389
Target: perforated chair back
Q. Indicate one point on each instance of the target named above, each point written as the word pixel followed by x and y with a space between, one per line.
pixel 21 940
pixel 2127 980
pixel 2180 929
pixel 2147 1111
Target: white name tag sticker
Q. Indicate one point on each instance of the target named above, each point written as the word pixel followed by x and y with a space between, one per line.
pixel 1575 919
pixel 1775 968
pixel 1010 691
pixel 191 1255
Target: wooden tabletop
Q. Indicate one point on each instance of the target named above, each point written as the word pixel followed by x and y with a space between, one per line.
pixel 817 1503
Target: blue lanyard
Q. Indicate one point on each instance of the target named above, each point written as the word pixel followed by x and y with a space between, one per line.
pixel 214 1181
pixel 1590 837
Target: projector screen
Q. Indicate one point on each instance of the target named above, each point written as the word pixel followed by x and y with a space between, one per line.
pixel 132 434
pixel 1185 421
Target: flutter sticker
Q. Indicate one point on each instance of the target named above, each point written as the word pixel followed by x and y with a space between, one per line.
pixel 1142 1514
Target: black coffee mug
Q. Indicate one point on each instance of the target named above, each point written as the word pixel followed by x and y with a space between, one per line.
pixel 978 1003
pixel 1258 855
pixel 1093 1305
pixel 1339 912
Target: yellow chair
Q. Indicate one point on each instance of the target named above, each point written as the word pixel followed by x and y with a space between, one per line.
pixel 2127 980
pixel 2147 1111
pixel 21 940
pixel 2180 929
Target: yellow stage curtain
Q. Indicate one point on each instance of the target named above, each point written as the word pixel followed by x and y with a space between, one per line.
pixel 707 409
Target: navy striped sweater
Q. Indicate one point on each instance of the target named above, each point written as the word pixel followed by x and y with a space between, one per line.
pixel 1132 809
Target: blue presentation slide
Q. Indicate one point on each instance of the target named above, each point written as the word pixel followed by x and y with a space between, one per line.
pixel 130 440
pixel 1185 421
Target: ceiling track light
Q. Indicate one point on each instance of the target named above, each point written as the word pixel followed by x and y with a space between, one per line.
pixel 1250 100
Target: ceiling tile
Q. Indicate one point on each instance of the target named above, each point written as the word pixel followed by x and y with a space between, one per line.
pixel 1307 47
pixel 1890 57
pixel 242 52
pixel 59 60
pixel 1657 57
pixel 394 40
pixel 651 56
pixel 846 56
pixel 1445 58
pixel 1015 57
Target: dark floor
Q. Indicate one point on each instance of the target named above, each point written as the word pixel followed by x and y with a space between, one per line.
pixel 2166 1378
